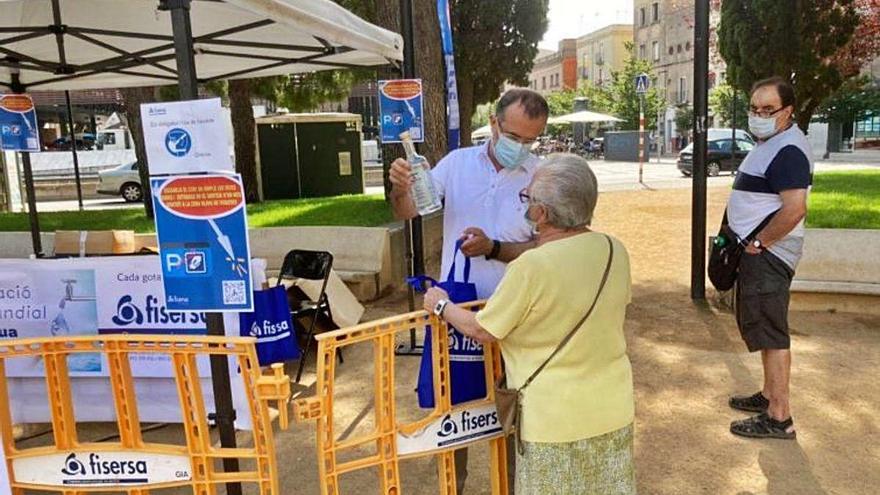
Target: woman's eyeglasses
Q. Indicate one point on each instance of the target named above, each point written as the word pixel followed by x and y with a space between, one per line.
pixel 524 197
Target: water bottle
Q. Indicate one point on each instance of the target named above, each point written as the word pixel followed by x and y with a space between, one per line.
pixel 424 195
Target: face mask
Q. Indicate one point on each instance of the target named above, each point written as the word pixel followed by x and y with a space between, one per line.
pixel 762 127
pixel 509 153
pixel 533 225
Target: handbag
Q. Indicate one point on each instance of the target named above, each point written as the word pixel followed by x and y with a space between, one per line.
pixel 271 324
pixel 508 401
pixel 726 252
pixel 467 372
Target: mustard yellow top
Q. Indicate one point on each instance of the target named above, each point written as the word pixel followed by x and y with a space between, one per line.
pixel 587 389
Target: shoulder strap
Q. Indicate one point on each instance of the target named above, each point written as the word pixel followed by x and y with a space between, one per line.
pixel 579 323
pixel 467 264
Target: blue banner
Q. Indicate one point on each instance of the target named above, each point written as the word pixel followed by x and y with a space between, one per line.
pixel 18 123
pixel 201 226
pixel 453 121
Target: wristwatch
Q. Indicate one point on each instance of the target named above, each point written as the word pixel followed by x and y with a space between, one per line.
pixel 757 244
pixel 440 306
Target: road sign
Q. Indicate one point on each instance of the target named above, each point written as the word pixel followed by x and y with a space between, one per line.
pixel 18 123
pixel 642 83
pixel 400 110
pixel 202 230
pixel 186 136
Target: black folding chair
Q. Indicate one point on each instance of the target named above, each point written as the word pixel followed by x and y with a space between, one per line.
pixel 310 265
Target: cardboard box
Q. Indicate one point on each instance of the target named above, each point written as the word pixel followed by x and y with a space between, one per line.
pixel 91 243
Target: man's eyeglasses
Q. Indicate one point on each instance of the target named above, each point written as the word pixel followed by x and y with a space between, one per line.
pixel 764 113
pixel 524 197
pixel 518 139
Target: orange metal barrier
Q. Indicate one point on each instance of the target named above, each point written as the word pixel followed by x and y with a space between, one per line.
pixel 443 430
pixel 131 464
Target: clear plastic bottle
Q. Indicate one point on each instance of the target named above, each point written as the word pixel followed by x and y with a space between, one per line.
pixel 424 194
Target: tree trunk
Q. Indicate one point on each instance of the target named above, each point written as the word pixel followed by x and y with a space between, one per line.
pixel 429 67
pixel 133 98
pixel 466 106
pixel 244 135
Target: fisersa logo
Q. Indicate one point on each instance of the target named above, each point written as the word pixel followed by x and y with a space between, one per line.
pixel 268 329
pixel 153 312
pixel 97 467
pixel 466 422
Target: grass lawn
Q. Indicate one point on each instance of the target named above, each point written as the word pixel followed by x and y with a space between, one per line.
pixel 845 200
pixel 355 210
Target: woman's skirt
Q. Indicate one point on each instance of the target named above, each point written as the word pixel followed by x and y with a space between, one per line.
pixel 600 465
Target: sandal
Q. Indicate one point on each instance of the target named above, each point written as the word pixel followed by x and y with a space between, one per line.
pixel 763 426
pixel 751 403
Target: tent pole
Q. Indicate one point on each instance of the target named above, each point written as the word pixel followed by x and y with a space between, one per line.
pixel 188 83
pixel 79 192
pixel 698 201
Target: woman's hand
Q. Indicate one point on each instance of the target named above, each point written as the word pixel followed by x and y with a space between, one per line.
pixel 432 297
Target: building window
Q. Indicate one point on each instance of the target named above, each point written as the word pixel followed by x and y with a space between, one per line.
pixel 682 90
pixel 642 52
pixel 679 48
pixel 687 46
pixel 544 82
pixel 671 50
pixel 655 12
pixel 655 48
pixel 642 20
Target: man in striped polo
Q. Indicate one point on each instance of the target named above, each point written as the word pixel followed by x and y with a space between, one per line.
pixel 774 179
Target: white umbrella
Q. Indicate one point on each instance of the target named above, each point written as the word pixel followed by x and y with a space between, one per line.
pixel 586 116
pixel 118 43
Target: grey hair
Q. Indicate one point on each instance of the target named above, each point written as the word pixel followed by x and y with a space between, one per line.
pixel 566 186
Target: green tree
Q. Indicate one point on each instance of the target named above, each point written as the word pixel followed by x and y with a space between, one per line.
pixel 684 119
pixel 855 100
pixel 620 98
pixel 495 41
pixel 804 41
pixel 721 102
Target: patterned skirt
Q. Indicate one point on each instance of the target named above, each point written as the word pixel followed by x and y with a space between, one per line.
pixel 600 465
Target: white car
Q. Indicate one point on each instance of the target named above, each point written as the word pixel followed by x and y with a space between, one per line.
pixel 121 181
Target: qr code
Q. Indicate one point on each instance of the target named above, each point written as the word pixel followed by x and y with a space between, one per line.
pixel 234 292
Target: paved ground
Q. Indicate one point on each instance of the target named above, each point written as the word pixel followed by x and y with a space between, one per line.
pixel 612 176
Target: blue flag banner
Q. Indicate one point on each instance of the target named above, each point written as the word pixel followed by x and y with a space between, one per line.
pixel 453 121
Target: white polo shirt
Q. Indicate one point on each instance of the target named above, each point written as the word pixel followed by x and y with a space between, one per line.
pixel 476 195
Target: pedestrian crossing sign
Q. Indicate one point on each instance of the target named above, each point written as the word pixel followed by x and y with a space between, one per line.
pixel 642 84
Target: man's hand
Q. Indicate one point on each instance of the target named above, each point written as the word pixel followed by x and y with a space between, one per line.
pixel 401 177
pixel 432 297
pixel 476 242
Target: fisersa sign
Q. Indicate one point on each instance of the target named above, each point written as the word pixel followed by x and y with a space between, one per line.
pixel 457 428
pixel 101 469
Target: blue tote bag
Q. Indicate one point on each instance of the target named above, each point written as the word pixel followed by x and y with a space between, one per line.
pixel 271 324
pixel 466 367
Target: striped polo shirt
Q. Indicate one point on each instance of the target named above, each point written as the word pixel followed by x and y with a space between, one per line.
pixel 781 163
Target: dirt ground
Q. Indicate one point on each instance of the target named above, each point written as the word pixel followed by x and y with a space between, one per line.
pixel 687 358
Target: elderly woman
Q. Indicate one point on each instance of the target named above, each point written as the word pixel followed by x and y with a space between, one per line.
pixel 577 413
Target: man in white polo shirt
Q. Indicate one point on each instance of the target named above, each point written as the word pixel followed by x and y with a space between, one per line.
pixel 480 187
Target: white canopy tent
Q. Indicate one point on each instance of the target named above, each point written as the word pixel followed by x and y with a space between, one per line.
pixel 87 44
pixel 486 130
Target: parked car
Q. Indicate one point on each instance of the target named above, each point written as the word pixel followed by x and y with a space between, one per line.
pixel 719 156
pixel 121 181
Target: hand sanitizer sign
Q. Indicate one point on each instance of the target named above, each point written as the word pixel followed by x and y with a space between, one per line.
pixel 400 110
pixel 201 226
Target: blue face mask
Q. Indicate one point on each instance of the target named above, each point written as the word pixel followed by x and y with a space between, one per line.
pixel 509 153
pixel 533 225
